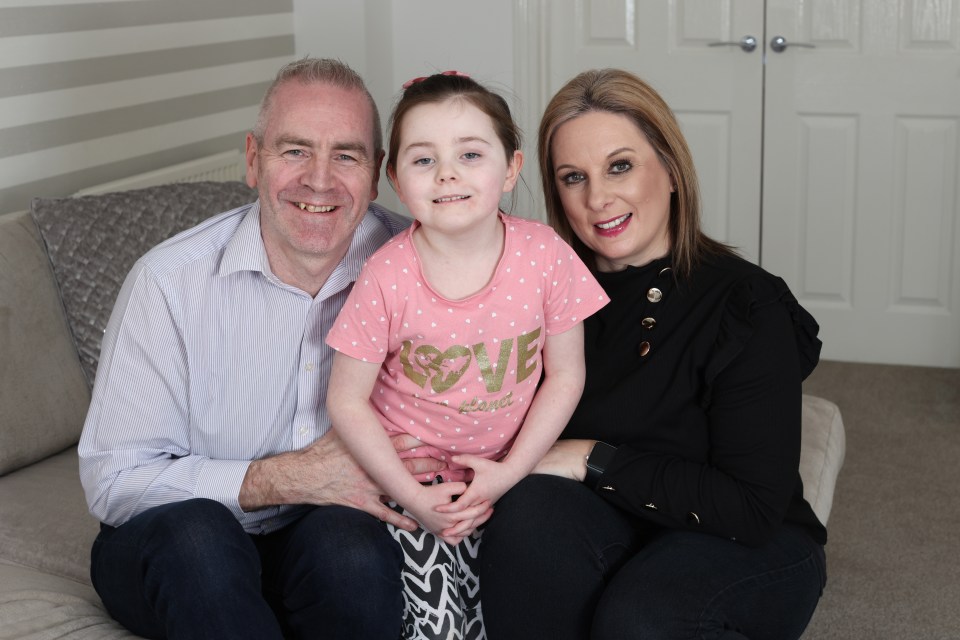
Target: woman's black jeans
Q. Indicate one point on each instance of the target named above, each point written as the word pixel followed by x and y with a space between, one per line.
pixel 558 562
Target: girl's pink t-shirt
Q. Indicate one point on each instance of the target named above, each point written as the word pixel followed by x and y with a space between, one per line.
pixel 459 375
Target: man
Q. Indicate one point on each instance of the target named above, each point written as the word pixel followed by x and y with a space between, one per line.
pixel 207 445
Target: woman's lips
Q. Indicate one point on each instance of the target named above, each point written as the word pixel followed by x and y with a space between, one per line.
pixel 613 226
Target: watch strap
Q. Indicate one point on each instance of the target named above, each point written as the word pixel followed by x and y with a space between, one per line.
pixel 597 463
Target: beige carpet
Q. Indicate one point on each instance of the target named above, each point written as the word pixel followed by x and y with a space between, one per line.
pixel 893 555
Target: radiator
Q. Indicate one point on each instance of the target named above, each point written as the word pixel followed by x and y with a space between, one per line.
pixel 220 167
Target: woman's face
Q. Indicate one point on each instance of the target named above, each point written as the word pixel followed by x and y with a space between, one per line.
pixel 613 188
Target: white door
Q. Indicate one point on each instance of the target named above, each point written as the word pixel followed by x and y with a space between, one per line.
pixel 860 200
pixel 835 165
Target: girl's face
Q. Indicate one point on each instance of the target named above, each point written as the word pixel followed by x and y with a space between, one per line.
pixel 451 167
pixel 614 190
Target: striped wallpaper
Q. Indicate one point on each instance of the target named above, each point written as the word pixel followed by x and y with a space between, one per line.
pixel 95 91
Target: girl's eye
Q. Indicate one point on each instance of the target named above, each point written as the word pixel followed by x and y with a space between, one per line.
pixel 572 178
pixel 423 161
pixel 621 166
pixel 471 155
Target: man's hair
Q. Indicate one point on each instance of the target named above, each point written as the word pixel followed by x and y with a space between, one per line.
pixel 321 71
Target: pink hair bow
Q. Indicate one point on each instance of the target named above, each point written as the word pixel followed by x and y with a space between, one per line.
pixel 410 83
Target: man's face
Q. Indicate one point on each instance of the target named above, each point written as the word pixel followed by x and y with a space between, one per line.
pixel 316 172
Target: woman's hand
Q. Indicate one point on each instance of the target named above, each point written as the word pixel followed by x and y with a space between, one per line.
pixel 567 459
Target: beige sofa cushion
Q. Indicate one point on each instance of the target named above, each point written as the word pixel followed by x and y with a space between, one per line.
pixel 39 606
pixel 44 522
pixel 43 394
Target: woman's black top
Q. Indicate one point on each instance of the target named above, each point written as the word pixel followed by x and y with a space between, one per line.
pixel 697 383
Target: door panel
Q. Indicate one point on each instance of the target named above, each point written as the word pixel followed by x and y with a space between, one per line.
pixel 860 210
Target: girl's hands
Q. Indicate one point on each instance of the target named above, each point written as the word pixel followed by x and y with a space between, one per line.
pixel 430 506
pixel 490 481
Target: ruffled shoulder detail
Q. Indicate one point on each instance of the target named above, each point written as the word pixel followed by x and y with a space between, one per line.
pixel 752 291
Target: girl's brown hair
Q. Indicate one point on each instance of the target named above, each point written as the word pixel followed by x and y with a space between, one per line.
pixel 441 87
pixel 617 91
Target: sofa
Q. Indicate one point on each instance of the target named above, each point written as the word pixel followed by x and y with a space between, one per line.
pixel 61 266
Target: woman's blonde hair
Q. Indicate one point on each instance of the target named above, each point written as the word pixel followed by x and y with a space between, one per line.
pixel 621 92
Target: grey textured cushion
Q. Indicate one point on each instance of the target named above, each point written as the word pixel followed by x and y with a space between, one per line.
pixel 43 394
pixel 93 242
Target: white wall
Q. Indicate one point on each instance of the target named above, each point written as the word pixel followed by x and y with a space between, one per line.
pixel 390 41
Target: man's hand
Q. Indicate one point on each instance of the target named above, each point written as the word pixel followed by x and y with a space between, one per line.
pixel 322 473
pixel 417 466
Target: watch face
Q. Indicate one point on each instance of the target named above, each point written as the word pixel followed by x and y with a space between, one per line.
pixel 600 456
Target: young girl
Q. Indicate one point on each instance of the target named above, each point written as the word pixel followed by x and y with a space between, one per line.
pixel 461 330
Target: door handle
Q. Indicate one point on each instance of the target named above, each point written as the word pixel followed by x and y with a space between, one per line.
pixel 747 43
pixel 779 44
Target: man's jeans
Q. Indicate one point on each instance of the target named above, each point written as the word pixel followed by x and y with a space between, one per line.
pixel 188 570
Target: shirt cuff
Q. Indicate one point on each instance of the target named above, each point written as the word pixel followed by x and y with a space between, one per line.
pixel 221 480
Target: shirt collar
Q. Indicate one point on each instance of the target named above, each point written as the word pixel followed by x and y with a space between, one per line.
pixel 245 251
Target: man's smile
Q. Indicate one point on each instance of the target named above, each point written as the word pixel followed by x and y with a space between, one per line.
pixel 320 208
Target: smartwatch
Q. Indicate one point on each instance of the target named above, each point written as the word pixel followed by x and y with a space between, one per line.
pixel 597 462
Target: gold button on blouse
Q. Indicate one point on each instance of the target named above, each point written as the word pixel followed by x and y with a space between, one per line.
pixel 648 323
pixel 654 294
pixel 644 348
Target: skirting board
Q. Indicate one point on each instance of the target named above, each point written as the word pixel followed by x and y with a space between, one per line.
pixel 220 167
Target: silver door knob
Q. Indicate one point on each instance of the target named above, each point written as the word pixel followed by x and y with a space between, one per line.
pixel 779 44
pixel 747 43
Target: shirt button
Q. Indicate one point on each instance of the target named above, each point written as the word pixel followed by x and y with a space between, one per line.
pixel 303 431
pixel 309 366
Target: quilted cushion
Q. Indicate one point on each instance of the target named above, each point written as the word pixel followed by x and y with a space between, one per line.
pixel 93 242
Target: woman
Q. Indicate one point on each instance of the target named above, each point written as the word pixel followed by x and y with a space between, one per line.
pixel 672 507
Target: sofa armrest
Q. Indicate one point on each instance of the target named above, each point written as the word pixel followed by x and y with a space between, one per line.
pixel 822 450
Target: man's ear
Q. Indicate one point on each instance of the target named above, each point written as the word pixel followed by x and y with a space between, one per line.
pixel 252 157
pixel 513 171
